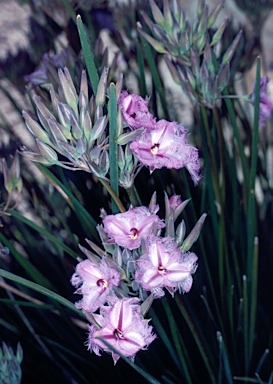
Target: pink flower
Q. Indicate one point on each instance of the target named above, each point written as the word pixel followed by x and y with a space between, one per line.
pixel 265 101
pixel 127 229
pixel 164 265
pixel 122 326
pixel 135 111
pixel 95 282
pixel 175 201
pixel 166 146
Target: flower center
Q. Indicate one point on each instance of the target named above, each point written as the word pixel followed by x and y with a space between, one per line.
pixel 154 149
pixel 118 334
pixel 102 283
pixel 134 233
pixel 161 270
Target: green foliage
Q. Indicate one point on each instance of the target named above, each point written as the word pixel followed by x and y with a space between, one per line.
pixel 220 332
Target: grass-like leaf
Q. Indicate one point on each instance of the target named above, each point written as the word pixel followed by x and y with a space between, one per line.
pixel 46 233
pixel 38 288
pixel 25 263
pixel 88 55
pixel 113 149
pixel 88 223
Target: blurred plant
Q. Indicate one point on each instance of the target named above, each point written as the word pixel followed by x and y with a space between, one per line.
pixel 12 184
pixel 256 11
pixel 132 256
pixel 10 370
pixel 47 71
pixel 193 54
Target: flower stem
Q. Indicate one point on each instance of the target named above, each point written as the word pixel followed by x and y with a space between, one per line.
pixel 113 195
pixel 132 196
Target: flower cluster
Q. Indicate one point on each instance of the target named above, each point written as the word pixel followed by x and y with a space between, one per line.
pixel 195 54
pixel 137 260
pixel 162 143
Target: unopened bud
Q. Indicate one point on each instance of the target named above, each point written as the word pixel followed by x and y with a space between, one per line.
pixel 223 77
pixel 121 158
pixel 104 163
pixel 200 8
pixel 127 137
pixel 42 111
pixel 101 90
pixel 76 130
pixel 68 88
pixel 202 26
pixel 35 128
pixel 7 177
pixel 180 233
pixel 47 152
pixel 57 131
pixel 84 85
pixel 15 171
pixel 194 234
pixel 146 305
pixel 154 43
pixel 157 14
pixel 214 14
pixel 87 126
pixel 98 128
pixel 231 50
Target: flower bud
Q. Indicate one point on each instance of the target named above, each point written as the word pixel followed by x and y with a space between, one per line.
pixel 214 14
pixel 57 130
pixel 168 20
pixel 47 152
pixel 231 50
pixel 98 128
pixel 42 111
pixel 7 177
pixel 194 234
pixel 154 43
pixel 68 88
pixel 127 137
pixel 157 14
pixel 35 128
pixel 101 90
pixel 202 26
pixel 218 34
pixel 180 233
pixel 84 85
pixel 15 172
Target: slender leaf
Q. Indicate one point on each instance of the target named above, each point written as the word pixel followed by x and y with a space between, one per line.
pixel 88 55
pixel 38 288
pixel 113 150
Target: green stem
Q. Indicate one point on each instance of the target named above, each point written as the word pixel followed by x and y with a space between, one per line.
pixel 132 196
pixel 251 217
pixel 113 195
pixel 113 147
pixel 212 157
pixel 253 296
pixel 242 155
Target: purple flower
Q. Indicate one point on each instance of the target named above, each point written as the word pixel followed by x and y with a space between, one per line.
pixel 175 202
pixel 167 146
pixel 135 111
pixel 265 101
pixel 95 282
pixel 127 229
pixel 164 265
pixel 122 326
